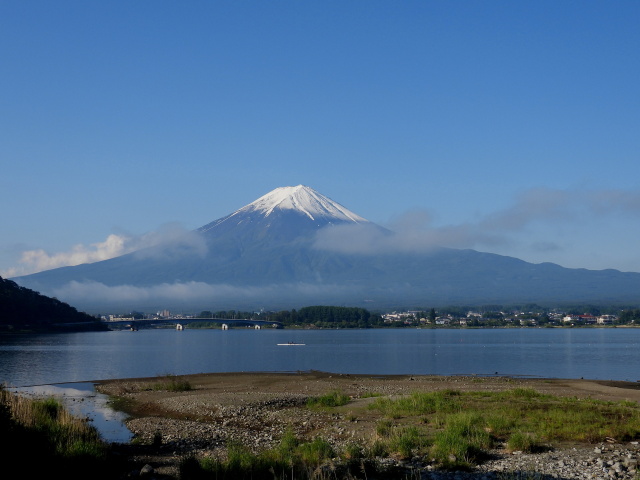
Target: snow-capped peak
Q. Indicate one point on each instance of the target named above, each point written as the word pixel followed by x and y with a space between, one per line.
pixel 304 200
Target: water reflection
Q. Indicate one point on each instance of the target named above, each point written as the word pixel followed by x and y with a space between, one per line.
pixel 82 401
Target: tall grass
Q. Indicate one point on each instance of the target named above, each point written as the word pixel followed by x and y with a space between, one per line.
pixel 290 459
pixel 406 441
pixel 42 431
pixel 67 435
pixel 335 398
pixel 463 441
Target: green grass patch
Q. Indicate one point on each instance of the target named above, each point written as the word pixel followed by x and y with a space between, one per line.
pixel 463 441
pixel 462 426
pixel 370 394
pixel 331 399
pixel 407 441
pixel 446 401
pixel 455 429
pixel 526 442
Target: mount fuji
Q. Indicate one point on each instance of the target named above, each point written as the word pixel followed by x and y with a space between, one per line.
pixel 294 247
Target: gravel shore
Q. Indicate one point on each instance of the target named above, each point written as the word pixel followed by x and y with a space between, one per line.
pixel 256 409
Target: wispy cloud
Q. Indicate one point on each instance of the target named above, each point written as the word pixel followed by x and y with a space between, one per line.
pixel 192 293
pixel 535 209
pixel 168 240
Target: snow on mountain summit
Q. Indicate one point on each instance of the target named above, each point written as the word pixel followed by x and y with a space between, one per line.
pixel 302 199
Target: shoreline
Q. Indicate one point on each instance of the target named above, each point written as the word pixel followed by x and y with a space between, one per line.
pixel 610 388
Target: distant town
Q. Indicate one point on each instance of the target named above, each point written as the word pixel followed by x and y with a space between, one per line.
pixel 472 318
pixel 345 317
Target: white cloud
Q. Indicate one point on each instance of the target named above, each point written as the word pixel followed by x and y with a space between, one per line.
pixel 170 239
pixel 37 260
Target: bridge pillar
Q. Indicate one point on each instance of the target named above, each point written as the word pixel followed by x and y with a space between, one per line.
pixel 225 326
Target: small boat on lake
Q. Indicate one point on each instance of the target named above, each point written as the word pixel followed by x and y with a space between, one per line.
pixel 290 343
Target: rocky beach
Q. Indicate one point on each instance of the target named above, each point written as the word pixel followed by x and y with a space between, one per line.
pixel 255 409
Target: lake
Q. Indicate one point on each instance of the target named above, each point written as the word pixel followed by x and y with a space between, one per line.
pixel 594 353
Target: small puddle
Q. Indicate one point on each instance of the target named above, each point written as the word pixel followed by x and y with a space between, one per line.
pixel 82 401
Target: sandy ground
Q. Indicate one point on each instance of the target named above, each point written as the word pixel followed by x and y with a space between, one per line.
pixel 238 388
pixel 256 408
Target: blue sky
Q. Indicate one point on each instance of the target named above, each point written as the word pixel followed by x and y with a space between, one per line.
pixel 509 127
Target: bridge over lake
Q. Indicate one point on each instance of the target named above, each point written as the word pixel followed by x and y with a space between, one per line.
pixel 166 322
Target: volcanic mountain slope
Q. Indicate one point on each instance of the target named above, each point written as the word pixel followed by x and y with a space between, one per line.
pixel 280 252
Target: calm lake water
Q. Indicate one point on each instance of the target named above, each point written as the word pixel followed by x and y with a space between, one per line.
pixel 66 365
pixel 594 353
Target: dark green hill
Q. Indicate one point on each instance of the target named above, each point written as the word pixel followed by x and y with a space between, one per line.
pixel 22 309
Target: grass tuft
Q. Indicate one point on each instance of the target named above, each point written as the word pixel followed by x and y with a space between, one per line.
pixel 172 383
pixel 520 441
pixel 331 399
pixel 291 459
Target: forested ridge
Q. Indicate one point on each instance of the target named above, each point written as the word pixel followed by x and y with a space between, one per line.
pixel 22 309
